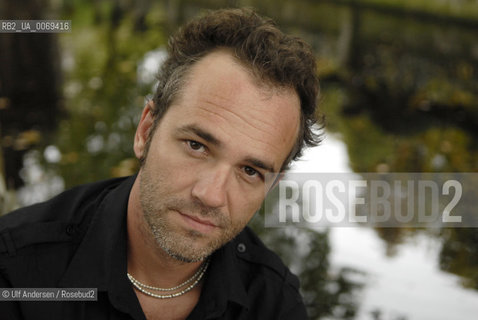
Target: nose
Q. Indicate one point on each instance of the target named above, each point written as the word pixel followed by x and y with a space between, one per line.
pixel 211 187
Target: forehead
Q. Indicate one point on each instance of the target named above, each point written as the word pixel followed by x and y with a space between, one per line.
pixel 223 97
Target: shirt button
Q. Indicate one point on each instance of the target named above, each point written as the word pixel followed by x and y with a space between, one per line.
pixel 241 247
pixel 70 229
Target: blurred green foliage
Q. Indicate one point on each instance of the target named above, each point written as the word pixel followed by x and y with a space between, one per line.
pixel 400 91
pixel 459 253
pixel 103 95
pixel 399 85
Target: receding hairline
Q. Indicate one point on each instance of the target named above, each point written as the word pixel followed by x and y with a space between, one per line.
pixel 267 85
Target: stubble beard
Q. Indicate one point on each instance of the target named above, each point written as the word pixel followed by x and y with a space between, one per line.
pixel 183 245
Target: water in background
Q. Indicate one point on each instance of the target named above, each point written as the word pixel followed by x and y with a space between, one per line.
pixel 409 285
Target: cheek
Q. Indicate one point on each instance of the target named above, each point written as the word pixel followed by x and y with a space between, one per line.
pixel 172 167
pixel 174 176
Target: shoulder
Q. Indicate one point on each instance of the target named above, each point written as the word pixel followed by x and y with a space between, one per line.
pixel 47 233
pixel 63 207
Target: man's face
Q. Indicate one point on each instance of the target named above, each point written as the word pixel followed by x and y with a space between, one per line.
pixel 204 174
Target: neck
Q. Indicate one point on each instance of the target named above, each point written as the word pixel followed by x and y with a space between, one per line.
pixel 147 262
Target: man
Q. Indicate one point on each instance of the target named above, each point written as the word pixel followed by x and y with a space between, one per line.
pixel 235 104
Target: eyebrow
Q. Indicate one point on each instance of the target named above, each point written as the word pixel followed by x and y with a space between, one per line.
pixel 201 133
pixel 260 164
pixel 192 128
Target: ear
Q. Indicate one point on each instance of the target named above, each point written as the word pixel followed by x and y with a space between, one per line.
pixel 143 130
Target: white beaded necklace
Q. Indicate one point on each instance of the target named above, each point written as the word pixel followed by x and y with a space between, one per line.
pixel 195 277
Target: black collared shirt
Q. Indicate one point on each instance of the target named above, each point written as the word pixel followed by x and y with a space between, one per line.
pixel 78 240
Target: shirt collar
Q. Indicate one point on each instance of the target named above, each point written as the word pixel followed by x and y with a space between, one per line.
pixel 223 282
pixel 95 261
pixel 101 259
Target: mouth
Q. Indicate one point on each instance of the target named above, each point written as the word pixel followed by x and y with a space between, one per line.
pixel 198 224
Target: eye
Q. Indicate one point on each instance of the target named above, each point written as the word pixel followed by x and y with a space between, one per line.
pixel 251 172
pixel 196 146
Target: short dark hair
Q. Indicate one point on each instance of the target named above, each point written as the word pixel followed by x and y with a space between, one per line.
pixel 273 57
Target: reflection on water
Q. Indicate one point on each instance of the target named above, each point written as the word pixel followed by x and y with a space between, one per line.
pixel 407 285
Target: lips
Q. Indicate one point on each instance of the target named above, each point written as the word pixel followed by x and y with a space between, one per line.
pixel 199 224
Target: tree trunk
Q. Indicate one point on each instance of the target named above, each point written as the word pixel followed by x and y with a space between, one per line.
pixel 30 97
